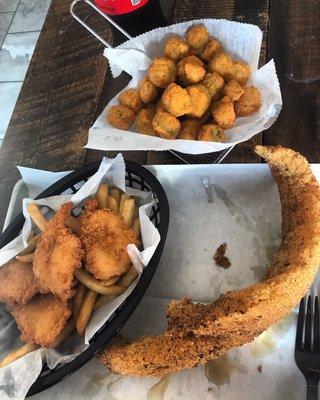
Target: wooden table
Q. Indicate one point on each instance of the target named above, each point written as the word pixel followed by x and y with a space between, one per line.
pixel 68 83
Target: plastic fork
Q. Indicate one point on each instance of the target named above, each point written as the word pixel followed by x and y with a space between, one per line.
pixel 307 348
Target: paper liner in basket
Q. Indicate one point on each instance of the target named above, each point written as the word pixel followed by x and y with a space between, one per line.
pixel 242 41
pixel 17 377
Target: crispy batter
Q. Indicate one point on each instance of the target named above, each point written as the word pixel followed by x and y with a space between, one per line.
pixel 162 72
pixel 176 48
pixel 233 90
pixel 214 83
pixel 57 255
pixel 120 117
pixel 176 100
pixel 197 37
pixel 105 238
pixel 190 70
pixel 198 332
pixel 240 72
pixel 165 124
pixel 130 98
pixel 18 283
pixel 249 102
pixel 212 133
pixel 223 113
pixel 143 121
pixel 212 48
pixel 189 129
pixel 41 319
pixel 147 90
pixel 222 64
pixel 200 98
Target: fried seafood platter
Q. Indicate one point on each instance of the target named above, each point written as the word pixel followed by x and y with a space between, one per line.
pixel 197 332
pixel 72 267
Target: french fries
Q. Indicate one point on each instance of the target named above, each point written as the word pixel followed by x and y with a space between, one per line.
pixel 136 226
pixel 127 211
pixel 25 258
pixel 102 300
pixel 116 193
pixel 112 203
pixel 32 243
pixel 37 216
pixel 110 281
pixel 128 277
pixel 86 311
pixel 73 224
pixel 124 197
pixel 93 284
pixel 102 195
pixel 18 353
pixel 78 299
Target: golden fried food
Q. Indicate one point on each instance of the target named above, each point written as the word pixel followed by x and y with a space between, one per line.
pixel 176 100
pixel 212 47
pixel 162 72
pixel 212 133
pixel 143 122
pixel 249 102
pixel 197 37
pixel 190 70
pixel 222 64
pixel 200 98
pixel 18 283
pixel 214 83
pixel 120 117
pixel 223 113
pixel 130 98
pixel 189 129
pixel 165 124
pixel 198 332
pixel 240 72
pixel 147 90
pixel 105 238
pixel 57 255
pixel 41 319
pixel 160 105
pixel 233 90
pixel 176 48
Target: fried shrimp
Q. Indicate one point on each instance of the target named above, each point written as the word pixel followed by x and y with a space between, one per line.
pixel 120 117
pixel 105 237
pixel 57 255
pixel 162 72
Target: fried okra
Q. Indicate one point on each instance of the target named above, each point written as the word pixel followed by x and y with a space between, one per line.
pixel 249 102
pixel 212 47
pixel 176 48
pixel 176 100
pixel 189 129
pixel 212 133
pixel 143 121
pixel 191 70
pixel 162 72
pixel 223 113
pixel 240 72
pixel 222 64
pixel 214 83
pixel 200 98
pixel 233 90
pixel 165 124
pixel 197 37
pixel 147 90
pixel 130 98
pixel 120 117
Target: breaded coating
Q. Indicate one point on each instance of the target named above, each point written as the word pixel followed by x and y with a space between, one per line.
pixel 143 121
pixel 223 113
pixel 198 333
pixel 105 237
pixel 120 117
pixel 189 129
pixel 162 72
pixel 233 90
pixel 197 37
pixel 200 98
pixel 130 98
pixel 190 70
pixel 212 47
pixel 240 72
pixel 57 255
pixel 222 64
pixel 17 282
pixel 249 102
pixel 176 48
pixel 214 83
pixel 41 319
pixel 212 133
pixel 176 100
pixel 147 90
pixel 165 124
pixel 160 105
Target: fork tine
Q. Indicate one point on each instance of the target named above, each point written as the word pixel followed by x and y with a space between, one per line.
pixel 299 338
pixel 307 340
pixel 316 338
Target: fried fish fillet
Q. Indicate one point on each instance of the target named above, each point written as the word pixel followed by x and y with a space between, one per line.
pixel 105 237
pixel 197 332
pixel 41 319
pixel 18 283
pixel 57 255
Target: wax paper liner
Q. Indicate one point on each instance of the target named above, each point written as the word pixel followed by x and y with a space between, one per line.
pixel 17 377
pixel 242 41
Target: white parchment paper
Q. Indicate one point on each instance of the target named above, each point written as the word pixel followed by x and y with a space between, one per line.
pixel 246 214
pixel 243 41
pixel 17 377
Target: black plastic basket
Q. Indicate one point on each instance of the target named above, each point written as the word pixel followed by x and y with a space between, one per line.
pixel 137 177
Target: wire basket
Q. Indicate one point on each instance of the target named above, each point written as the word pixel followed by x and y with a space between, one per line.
pixel 136 177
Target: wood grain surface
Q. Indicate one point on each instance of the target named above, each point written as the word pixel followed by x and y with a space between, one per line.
pixel 68 83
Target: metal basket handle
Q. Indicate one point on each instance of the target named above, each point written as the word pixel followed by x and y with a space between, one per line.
pixel 94 33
